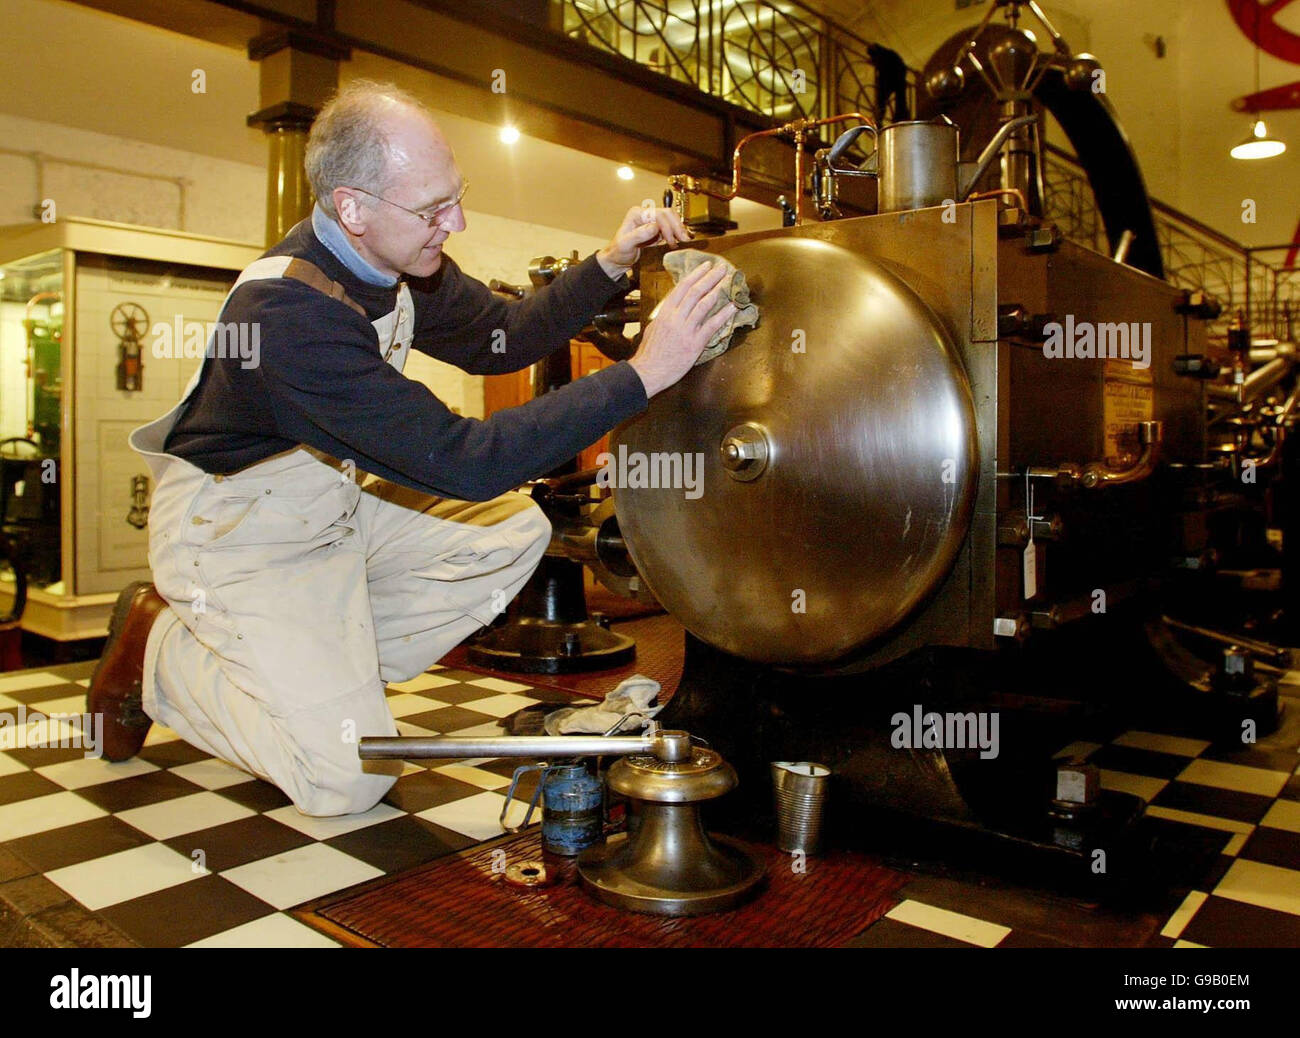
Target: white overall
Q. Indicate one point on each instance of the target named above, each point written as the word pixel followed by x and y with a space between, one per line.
pixel 297 592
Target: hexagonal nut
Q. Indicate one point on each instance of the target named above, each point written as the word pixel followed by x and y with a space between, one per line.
pixel 1077 782
pixel 1043 239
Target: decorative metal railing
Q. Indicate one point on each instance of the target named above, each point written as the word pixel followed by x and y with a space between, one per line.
pixel 785 61
pixel 1195 256
pixel 781 60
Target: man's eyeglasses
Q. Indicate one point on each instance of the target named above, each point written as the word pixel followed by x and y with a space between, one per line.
pixel 435 216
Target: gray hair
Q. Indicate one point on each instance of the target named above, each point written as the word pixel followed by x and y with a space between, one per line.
pixel 348 145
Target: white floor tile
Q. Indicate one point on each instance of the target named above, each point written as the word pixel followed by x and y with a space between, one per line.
pixel 950 924
pixel 120 877
pixel 1238 777
pixel 500 685
pixel 62 705
pixel 1285 814
pixel 1234 845
pixel 1163 743
pixel 93 771
pixel 39 732
pixel 474 776
pixel 211 773
pixel 1139 785
pixel 1267 886
pixel 24 680
pixel 423 681
pixel 335 825
pixel 10 766
pixel 499 706
pixel 476 816
pixel 271 931
pixel 488 728
pixel 405 728
pixel 1187 944
pixel 41 814
pixel 187 814
pixel 299 875
pixel 407 704
pixel 160 733
pixel 1183 914
pixel 6 703
pixel 1228 825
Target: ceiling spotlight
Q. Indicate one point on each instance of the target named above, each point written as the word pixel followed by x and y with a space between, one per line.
pixel 625 173
pixel 509 135
pixel 1259 145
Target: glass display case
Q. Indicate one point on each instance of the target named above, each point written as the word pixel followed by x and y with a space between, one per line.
pixel 96 325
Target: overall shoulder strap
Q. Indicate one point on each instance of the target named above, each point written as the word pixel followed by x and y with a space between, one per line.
pixel 300 270
pixel 310 274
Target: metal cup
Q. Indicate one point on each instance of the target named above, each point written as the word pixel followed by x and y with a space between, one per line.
pixel 799 792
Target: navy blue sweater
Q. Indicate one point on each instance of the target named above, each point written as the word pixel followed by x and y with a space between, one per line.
pixel 322 382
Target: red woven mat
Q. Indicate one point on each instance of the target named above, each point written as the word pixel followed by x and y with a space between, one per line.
pixel 461 902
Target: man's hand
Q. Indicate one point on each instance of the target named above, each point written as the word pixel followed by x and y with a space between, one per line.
pixel 674 340
pixel 641 226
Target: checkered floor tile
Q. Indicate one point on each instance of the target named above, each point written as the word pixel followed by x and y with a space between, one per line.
pixel 176 848
pixel 1244 802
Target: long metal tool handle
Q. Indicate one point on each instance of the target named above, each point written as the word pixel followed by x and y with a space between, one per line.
pixel 421 747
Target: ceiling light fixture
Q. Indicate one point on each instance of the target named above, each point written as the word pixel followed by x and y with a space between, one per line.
pixel 1258 144
pixel 508 135
pixel 625 173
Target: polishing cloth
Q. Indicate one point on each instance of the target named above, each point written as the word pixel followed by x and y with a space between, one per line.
pixel 682 262
pixel 628 707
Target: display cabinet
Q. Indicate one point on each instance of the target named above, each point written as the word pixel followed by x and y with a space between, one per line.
pixel 101 326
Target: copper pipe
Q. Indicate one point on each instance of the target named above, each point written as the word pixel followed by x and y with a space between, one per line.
pixel 798 129
pixel 1014 192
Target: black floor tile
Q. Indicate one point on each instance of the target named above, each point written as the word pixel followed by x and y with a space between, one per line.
pixel 448 838
pixel 1291 791
pixel 186 913
pixel 1223 923
pixel 45 693
pixel 239 842
pixel 40 756
pixel 1274 847
pixel 448 719
pixel 1268 758
pixel 73 844
pixel 172 753
pixel 1211 800
pixel 26 785
pixel 393 846
pixel 1136 761
pixel 453 694
pixel 887 933
pixel 256 795
pixel 422 790
pixel 138 791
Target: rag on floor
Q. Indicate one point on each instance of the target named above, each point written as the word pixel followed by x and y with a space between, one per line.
pixel 682 262
pixel 628 706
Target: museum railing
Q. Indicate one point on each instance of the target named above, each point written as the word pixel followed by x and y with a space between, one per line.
pixel 781 60
pixel 1196 256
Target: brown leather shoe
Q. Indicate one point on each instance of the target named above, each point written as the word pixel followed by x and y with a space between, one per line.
pixel 117 684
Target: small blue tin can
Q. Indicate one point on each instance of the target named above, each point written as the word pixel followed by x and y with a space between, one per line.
pixel 572 800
